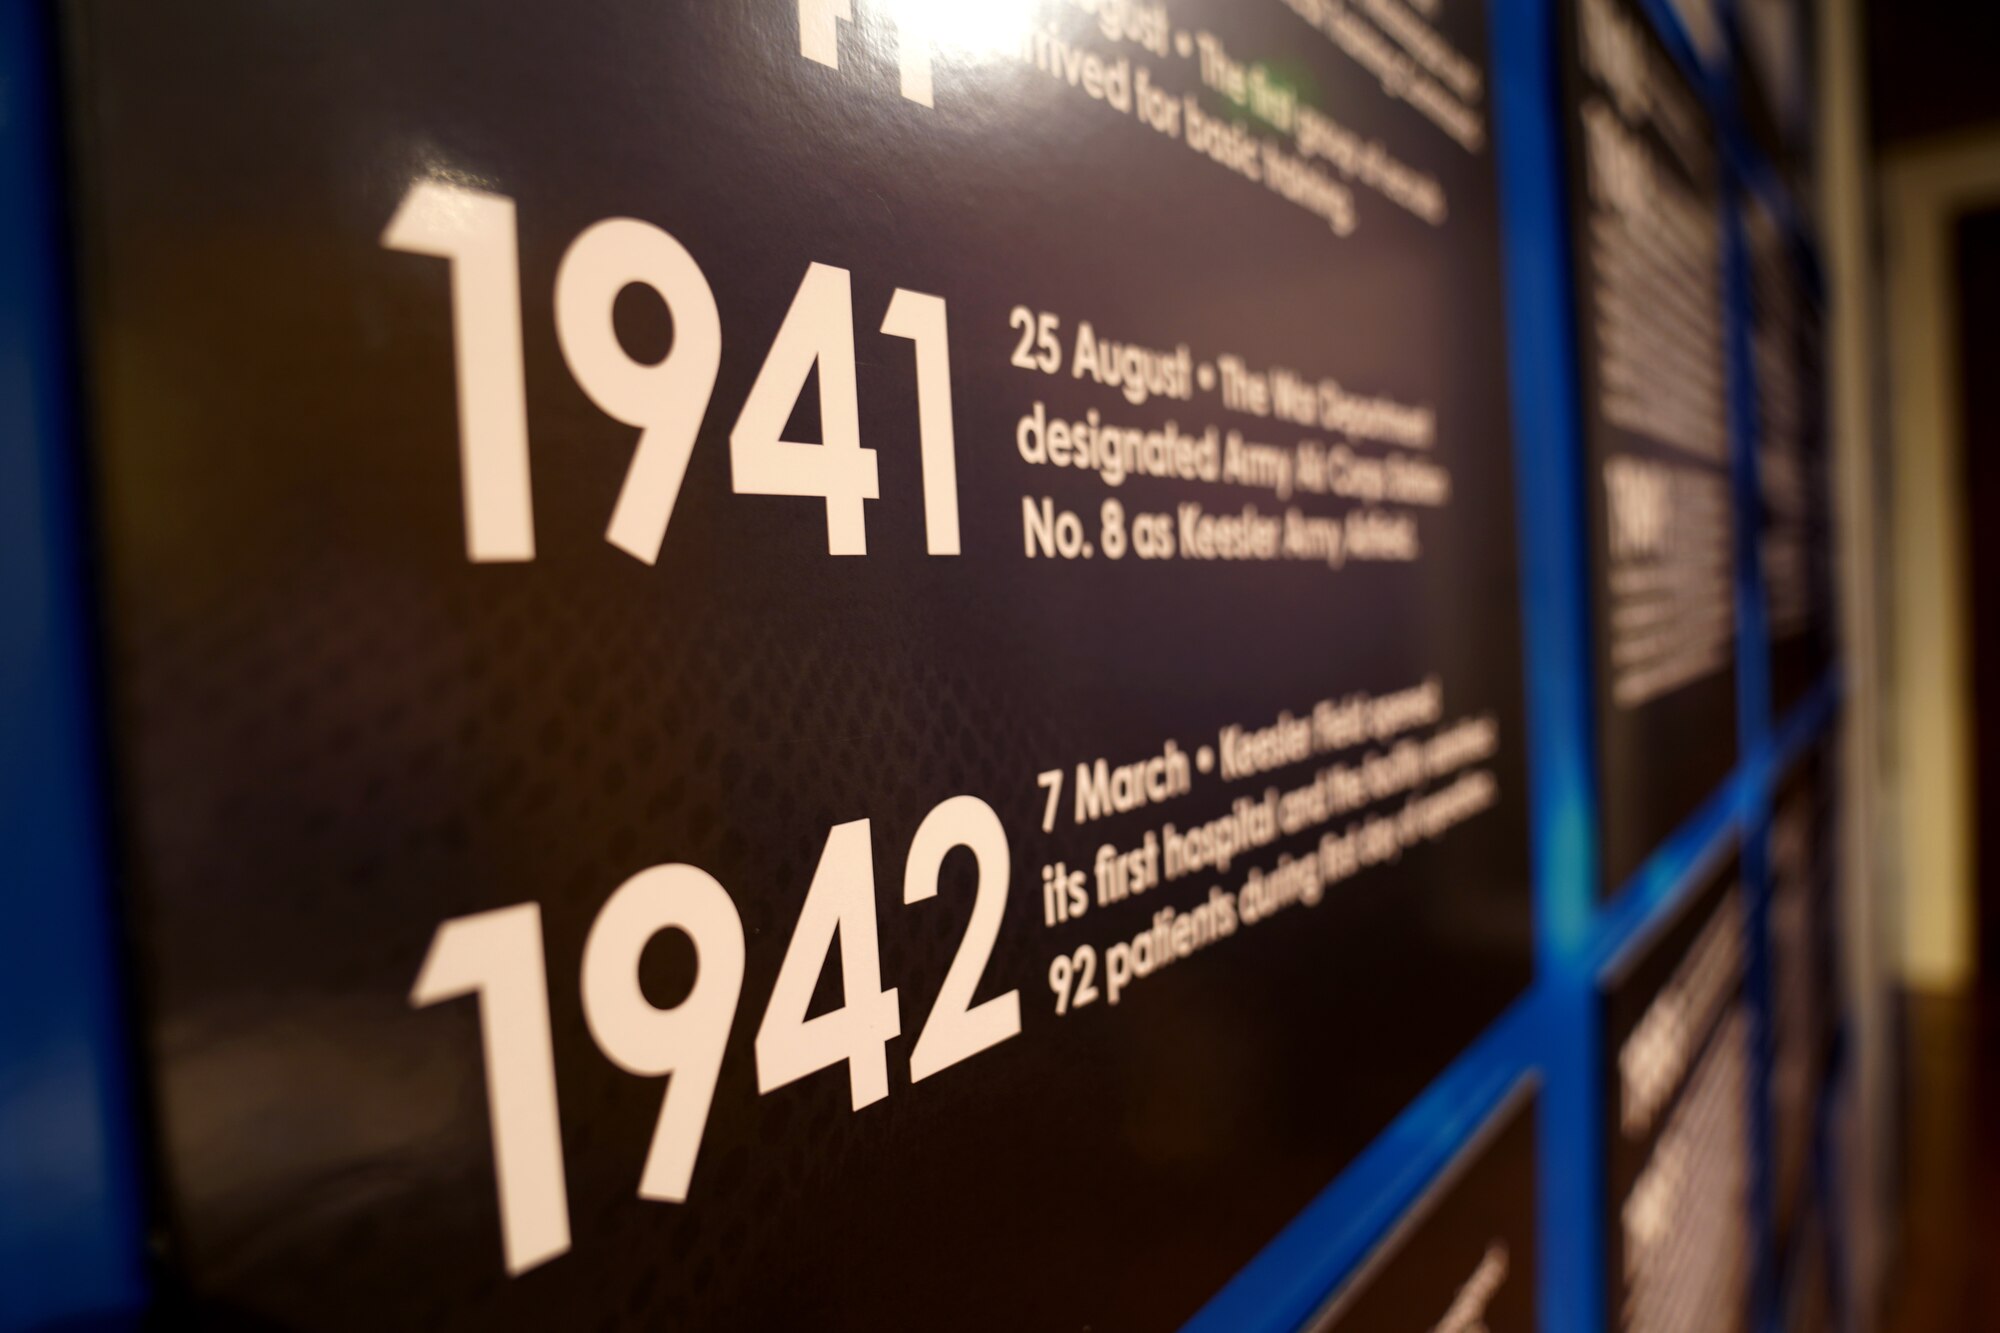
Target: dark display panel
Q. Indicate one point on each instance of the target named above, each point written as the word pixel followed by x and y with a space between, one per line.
pixel 776 669
pixel 1646 213
pixel 1774 73
pixel 1463 1258
pixel 1701 22
pixel 1805 983
pixel 1679 1247
pixel 1795 529
pixel 1809 1305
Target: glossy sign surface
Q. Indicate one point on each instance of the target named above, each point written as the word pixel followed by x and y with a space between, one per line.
pixel 796 662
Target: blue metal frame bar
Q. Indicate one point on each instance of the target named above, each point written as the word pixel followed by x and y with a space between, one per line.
pixel 71 1225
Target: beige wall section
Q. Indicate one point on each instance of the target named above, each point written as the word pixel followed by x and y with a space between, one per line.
pixel 1924 190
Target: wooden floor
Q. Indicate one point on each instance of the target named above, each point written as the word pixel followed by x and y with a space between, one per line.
pixel 1948 1278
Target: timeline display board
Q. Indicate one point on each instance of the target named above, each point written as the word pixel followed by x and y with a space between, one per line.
pixel 1463 1258
pixel 1805 984
pixel 1795 529
pixel 1774 63
pixel 796 663
pixel 1809 1305
pixel 1679 1240
pixel 1646 207
pixel 1701 21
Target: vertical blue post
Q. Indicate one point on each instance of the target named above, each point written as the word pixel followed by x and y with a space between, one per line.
pixel 1554 561
pixel 71 1230
pixel 1753 714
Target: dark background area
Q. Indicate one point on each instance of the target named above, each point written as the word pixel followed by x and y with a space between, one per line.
pixel 1930 68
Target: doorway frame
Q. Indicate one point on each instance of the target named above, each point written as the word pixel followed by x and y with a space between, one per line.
pixel 1925 188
